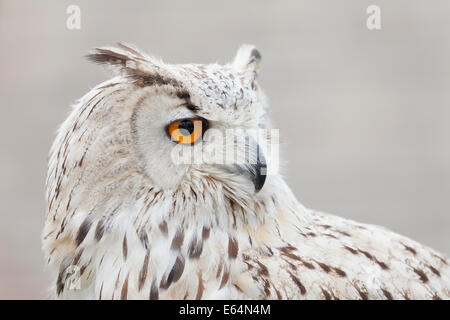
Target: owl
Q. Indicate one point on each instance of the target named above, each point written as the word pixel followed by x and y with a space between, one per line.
pixel 142 205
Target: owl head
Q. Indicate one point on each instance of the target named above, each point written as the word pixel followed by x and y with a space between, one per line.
pixel 191 120
pixel 171 127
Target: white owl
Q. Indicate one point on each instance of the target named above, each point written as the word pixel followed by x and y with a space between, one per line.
pixel 125 221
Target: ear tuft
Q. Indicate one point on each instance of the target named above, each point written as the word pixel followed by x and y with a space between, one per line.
pixel 138 67
pixel 247 58
pixel 124 59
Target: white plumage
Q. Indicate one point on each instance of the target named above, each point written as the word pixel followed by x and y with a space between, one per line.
pixel 125 221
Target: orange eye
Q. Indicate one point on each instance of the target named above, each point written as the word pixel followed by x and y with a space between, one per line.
pixel 186 131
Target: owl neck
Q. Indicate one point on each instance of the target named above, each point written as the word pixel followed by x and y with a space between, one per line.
pixel 180 235
pixel 161 239
pixel 227 209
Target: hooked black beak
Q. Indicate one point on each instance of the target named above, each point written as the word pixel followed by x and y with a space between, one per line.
pixel 255 166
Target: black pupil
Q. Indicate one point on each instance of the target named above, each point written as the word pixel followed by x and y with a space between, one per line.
pixel 186 127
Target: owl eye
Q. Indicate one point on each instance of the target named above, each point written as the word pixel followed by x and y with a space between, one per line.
pixel 186 131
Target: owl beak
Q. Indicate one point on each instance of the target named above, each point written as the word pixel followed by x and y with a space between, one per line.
pixel 256 168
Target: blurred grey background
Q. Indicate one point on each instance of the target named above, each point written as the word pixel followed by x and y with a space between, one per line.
pixel 363 114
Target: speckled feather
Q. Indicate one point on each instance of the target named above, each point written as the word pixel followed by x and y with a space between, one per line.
pixel 132 231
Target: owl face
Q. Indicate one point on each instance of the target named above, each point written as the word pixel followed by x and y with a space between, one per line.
pixel 194 122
